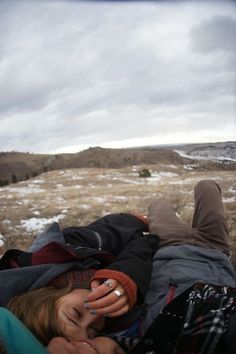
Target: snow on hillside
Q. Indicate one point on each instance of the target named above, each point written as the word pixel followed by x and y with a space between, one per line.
pixel 225 151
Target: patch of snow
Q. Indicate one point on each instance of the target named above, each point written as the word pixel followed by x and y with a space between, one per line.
pixel 26 201
pixel 99 199
pixel 232 190
pixel 76 177
pixel 120 197
pixel 114 175
pixel 229 200
pixel 211 156
pixel 59 185
pixel 36 212
pixel 64 211
pixel 171 166
pixel 38 224
pixel 60 199
pixel 85 206
pixel 141 180
pixel 168 174
pixel 74 187
pixel 6 222
pixel 189 167
pixel 1 240
pixel 37 181
pixel 184 181
pixel 24 190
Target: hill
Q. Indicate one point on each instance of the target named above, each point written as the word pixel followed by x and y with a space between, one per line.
pixel 18 166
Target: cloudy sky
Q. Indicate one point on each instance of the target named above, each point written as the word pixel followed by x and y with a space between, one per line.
pixel 75 74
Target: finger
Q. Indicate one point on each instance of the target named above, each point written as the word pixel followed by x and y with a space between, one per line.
pixel 109 305
pixel 105 301
pixel 95 284
pixel 120 312
pixel 101 290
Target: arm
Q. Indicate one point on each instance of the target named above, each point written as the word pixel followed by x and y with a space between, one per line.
pixel 129 274
pixel 135 261
pixel 110 233
pixel 121 235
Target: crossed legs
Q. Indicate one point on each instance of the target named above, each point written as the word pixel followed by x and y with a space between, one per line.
pixel 209 226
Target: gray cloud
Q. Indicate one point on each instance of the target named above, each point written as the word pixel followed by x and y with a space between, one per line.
pixel 215 34
pixel 88 73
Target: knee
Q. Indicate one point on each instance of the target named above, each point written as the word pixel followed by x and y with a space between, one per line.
pixel 155 207
pixel 206 184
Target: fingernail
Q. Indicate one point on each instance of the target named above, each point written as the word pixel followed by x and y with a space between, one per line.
pixel 86 305
pixel 93 312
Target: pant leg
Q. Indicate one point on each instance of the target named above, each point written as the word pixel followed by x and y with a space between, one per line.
pixel 209 222
pixel 164 222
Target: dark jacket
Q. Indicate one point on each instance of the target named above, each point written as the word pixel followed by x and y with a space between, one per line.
pixel 115 242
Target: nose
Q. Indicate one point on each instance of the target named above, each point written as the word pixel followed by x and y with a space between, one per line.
pixel 90 315
pixel 83 333
pixel 89 318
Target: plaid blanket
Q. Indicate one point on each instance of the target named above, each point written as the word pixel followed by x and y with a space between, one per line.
pixel 192 323
pixel 207 315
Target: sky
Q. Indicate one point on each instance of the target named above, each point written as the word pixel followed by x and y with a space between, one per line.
pixel 78 74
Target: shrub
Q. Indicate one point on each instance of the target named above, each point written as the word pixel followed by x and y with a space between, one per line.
pixel 144 173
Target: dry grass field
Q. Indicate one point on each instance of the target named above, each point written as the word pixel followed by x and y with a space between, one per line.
pixel 78 196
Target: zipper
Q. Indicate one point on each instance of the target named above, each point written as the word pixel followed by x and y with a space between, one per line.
pixel 99 240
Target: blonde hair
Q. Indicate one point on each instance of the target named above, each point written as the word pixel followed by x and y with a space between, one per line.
pixel 37 309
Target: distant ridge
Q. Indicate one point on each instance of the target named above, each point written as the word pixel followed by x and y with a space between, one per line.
pixel 17 166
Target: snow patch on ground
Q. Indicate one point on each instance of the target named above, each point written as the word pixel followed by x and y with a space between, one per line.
pixel 120 197
pixel 85 206
pixel 232 190
pixel 64 211
pixel 35 181
pixel 27 190
pixel 1 240
pixel 100 199
pixel 229 200
pixel 36 212
pixel 38 224
pixel 201 157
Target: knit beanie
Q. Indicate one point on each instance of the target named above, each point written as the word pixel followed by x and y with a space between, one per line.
pixel 76 278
